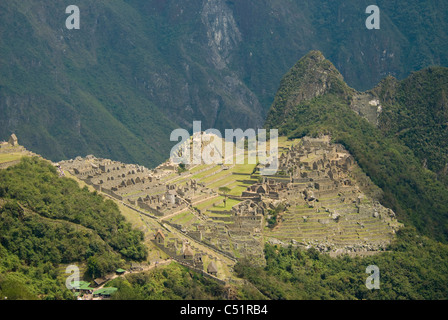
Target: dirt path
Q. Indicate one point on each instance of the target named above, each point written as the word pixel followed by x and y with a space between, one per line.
pixel 146 268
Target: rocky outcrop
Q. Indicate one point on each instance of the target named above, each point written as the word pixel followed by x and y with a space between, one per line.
pixel 311 76
pixel 222 31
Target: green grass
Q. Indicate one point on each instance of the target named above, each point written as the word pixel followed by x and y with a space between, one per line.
pixel 216 176
pixel 183 218
pixel 237 189
pixel 223 181
pixel 229 204
pixel 206 172
pixel 7 157
pixel 133 193
pixel 198 168
pixel 208 203
pixel 231 178
pixel 244 168
pixel 219 204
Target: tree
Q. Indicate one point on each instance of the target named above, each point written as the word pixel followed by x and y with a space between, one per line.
pixel 224 191
pixel 181 168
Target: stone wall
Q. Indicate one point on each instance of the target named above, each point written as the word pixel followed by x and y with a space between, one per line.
pixel 112 194
pixel 5 165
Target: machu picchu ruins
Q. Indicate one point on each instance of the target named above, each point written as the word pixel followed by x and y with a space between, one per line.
pixel 330 203
pixel 207 216
pixel 326 200
pixel 11 152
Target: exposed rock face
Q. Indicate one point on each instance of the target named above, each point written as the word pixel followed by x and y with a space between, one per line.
pixel 314 76
pixel 317 76
pixel 211 90
pixel 140 69
pixel 367 106
pixel 222 32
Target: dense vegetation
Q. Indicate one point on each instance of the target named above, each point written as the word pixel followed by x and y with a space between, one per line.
pixel 20 281
pixel 136 69
pixel 273 215
pixel 174 282
pixel 414 267
pixel 47 221
pixel 411 190
pixel 312 75
pixel 412 128
pixel 416 111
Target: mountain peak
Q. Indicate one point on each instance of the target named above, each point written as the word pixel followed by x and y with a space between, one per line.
pixel 312 76
pixel 314 54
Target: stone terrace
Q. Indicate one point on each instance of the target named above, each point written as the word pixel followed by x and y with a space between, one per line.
pixel 326 205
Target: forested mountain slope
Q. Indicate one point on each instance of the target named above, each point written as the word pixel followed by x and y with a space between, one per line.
pixel 135 70
pixel 48 222
pixel 410 189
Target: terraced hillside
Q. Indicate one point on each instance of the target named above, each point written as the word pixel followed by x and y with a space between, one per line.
pixel 319 197
pixel 190 201
pixel 333 204
pixel 12 152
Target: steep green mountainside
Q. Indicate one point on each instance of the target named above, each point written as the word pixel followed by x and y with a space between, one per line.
pixel 416 111
pixel 411 190
pixel 47 222
pixel 176 282
pixel 70 93
pixel 414 268
pixel 136 69
pixel 310 77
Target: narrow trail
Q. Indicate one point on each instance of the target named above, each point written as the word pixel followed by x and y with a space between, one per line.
pixel 145 269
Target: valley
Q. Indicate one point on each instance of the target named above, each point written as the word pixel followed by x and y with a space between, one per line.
pixel 348 192
pixel 135 70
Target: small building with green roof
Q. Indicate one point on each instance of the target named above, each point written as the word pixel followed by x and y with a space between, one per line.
pixel 81 286
pixel 120 271
pixel 105 292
